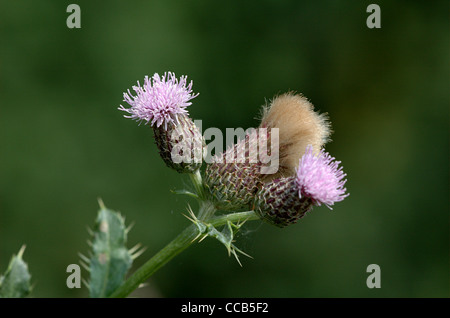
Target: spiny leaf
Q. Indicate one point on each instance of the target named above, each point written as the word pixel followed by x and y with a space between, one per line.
pixel 226 236
pixel 15 283
pixel 110 260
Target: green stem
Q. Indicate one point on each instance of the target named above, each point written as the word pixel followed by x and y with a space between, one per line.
pixel 206 211
pixel 197 181
pixel 176 246
pixel 180 243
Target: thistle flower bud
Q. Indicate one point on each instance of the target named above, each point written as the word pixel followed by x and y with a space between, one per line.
pixel 299 125
pixel 319 180
pixel 278 202
pixel 233 177
pixel 181 145
pixel 161 102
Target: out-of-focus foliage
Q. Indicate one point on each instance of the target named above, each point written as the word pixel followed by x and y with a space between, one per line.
pixel 63 143
pixel 110 259
pixel 15 282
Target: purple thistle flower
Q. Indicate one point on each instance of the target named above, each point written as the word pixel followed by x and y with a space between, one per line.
pixel 159 100
pixel 320 178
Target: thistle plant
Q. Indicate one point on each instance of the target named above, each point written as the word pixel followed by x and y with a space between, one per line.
pixel 235 187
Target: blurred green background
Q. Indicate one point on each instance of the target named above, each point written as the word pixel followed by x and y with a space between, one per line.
pixel 64 144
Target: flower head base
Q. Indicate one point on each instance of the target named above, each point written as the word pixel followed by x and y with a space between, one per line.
pixel 320 178
pixel 181 146
pixel 233 178
pixel 160 100
pixel 278 203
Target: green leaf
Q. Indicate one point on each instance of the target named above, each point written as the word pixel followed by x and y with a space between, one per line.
pixel 110 259
pixel 186 192
pixel 15 283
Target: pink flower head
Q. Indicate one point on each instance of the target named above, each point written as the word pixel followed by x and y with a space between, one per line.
pixel 320 178
pixel 159 100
